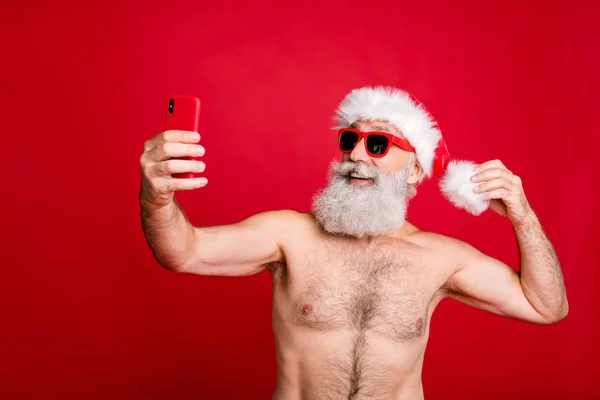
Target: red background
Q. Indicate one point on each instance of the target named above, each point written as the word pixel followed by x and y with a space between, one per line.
pixel 87 313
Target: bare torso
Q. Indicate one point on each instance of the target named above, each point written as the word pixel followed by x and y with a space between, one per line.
pixel 351 317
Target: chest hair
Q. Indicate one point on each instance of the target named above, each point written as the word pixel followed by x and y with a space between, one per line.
pixel 366 289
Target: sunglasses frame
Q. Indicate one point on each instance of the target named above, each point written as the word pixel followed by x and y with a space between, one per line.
pixel 392 139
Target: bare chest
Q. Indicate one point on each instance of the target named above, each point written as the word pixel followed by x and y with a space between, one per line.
pixel 376 290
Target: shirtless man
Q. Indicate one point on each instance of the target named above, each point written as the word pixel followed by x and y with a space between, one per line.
pixel 354 283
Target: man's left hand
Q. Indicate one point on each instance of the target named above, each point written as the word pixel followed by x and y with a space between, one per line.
pixel 503 189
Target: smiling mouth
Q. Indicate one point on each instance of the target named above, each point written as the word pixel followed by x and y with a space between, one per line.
pixel 352 178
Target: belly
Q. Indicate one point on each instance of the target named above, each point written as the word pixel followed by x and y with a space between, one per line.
pixel 346 364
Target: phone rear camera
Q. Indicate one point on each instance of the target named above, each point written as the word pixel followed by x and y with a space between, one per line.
pixel 171 106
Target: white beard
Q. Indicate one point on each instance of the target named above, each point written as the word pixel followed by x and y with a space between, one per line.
pixel 376 209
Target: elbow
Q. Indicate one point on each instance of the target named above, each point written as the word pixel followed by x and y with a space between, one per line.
pixel 559 314
pixel 175 264
pixel 564 311
pixel 190 265
pixel 183 259
pixel 171 265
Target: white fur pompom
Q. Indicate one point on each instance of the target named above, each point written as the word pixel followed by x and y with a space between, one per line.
pixel 457 187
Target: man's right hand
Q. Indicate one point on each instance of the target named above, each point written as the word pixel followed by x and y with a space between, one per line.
pixel 160 159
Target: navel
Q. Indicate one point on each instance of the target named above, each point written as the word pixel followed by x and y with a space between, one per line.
pixel 307 310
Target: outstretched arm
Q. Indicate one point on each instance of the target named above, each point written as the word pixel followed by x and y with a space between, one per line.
pixel 535 294
pixel 244 248
pixel 241 249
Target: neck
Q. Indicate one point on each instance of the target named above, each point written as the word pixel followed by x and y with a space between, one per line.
pixel 402 233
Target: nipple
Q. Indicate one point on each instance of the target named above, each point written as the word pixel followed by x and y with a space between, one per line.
pixel 307 310
pixel 419 323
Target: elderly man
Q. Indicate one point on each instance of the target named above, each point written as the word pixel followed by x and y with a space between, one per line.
pixel 355 283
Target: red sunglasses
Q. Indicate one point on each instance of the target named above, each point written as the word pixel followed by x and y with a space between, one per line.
pixel 377 144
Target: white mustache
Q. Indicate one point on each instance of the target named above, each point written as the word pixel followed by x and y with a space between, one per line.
pixel 362 170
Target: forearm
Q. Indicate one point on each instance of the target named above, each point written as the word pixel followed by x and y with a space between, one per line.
pixel 541 275
pixel 169 233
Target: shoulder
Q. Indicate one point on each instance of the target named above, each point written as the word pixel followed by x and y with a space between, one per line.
pixel 293 231
pixel 282 221
pixel 283 217
pixel 446 247
pixel 434 241
pixel 450 256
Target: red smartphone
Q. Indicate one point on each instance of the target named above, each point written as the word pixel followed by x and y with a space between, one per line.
pixel 183 114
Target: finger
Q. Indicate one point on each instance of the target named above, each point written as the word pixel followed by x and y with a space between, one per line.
pixel 501 193
pixel 491 164
pixel 491 173
pixel 188 183
pixel 494 184
pixel 167 150
pixel 170 185
pixel 180 136
pixel 166 168
pixel 172 136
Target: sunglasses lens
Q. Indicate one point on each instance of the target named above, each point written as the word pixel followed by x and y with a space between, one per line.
pixel 377 144
pixel 348 140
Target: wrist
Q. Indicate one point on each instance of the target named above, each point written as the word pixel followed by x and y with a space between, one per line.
pixel 151 204
pixel 526 222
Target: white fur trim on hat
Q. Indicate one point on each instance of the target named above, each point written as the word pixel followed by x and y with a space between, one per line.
pixel 396 107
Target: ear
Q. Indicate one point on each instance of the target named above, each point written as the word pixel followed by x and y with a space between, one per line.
pixel 416 171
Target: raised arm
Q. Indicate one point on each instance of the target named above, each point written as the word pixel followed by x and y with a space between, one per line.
pixel 537 293
pixel 239 249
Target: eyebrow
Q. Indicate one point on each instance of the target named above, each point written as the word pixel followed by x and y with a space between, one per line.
pixel 377 127
pixel 381 128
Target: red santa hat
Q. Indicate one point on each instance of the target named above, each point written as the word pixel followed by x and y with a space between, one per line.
pixel 410 116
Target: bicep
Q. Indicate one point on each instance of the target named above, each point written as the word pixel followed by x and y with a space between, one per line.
pixel 239 249
pixel 492 286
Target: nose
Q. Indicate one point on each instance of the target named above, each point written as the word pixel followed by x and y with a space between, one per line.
pixel 359 153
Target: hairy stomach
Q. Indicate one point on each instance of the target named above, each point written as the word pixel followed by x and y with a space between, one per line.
pixel 344 364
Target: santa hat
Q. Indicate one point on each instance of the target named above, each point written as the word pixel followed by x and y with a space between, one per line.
pixel 410 116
